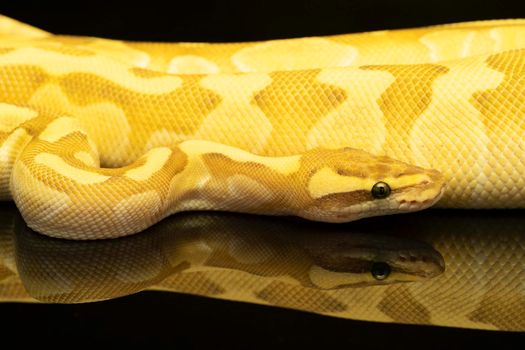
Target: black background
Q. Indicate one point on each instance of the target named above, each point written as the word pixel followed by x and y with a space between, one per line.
pixel 183 321
pixel 194 20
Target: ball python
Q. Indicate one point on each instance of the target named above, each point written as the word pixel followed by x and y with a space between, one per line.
pixel 291 264
pixel 93 131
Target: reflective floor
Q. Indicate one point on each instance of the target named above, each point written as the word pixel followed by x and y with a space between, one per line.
pixel 450 268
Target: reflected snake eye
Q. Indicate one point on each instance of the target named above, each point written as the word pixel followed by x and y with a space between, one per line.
pixel 381 190
pixel 380 270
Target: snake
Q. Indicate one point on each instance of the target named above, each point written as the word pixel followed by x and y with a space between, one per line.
pixel 94 131
pixel 66 184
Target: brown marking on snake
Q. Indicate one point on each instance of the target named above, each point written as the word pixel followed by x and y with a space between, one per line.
pixel 190 102
pixel 193 282
pixel 349 198
pixel 292 189
pixel 405 99
pixel 512 90
pixel 504 308
pixel 6 50
pixel 12 91
pixel 296 297
pixel 294 102
pixel 400 305
pixel 146 73
pixel 280 257
pixel 222 168
pixel 500 310
pixel 67 50
pixel 502 112
pixel 3 137
pixel 77 193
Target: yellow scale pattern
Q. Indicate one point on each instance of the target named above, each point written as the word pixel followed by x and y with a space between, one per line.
pixel 443 108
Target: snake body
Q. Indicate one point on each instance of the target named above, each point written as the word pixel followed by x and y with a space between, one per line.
pixel 250 127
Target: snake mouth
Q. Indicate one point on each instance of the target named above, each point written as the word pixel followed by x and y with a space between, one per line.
pixel 419 205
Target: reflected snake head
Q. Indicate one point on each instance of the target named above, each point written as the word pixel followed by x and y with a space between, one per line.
pixel 353 259
pixel 350 184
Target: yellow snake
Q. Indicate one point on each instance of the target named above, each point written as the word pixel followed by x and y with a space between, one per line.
pixel 279 127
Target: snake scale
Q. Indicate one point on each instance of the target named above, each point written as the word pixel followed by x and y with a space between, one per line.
pixel 343 128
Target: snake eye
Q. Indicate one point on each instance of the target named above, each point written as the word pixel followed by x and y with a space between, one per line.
pixel 381 190
pixel 380 270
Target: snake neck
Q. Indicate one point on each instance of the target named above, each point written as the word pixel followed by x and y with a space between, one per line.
pixel 220 177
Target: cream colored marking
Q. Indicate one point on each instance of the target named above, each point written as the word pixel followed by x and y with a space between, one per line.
pixel 86 158
pixel 350 123
pixel 495 35
pixel 203 181
pixel 417 195
pixel 119 50
pixel 58 165
pixel 194 176
pixel 155 160
pixel 59 128
pixel 197 252
pixel 275 55
pixel 327 279
pixel 128 208
pixel 284 165
pixel 192 63
pixel 452 43
pixel 12 116
pixel 113 70
pixel 465 120
pixel 163 137
pixel 443 43
pixel 242 187
pixel 506 38
pixel 327 181
pixel 193 204
pixel 467 44
pixel 106 124
pixel 17 140
pixel 25 188
pixel 226 126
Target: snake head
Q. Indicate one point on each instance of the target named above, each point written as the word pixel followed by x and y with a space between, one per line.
pixel 350 184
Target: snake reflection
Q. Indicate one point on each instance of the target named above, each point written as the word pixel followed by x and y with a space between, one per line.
pixel 482 287
pixel 293 252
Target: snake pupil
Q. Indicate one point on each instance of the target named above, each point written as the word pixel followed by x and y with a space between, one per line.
pixel 380 270
pixel 381 190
